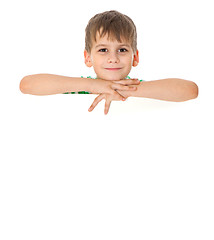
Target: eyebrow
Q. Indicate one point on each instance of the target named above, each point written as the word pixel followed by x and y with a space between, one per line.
pixel 106 45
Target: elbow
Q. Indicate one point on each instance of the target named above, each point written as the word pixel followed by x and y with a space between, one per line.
pixel 24 85
pixel 188 92
pixel 193 90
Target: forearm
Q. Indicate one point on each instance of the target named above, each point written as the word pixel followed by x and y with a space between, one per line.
pixel 47 84
pixel 171 89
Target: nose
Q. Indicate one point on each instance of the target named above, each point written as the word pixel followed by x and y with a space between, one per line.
pixel 113 58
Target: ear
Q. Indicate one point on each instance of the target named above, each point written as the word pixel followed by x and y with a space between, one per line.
pixel 136 59
pixel 87 57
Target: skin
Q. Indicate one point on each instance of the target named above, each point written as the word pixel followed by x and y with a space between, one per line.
pixel 111 60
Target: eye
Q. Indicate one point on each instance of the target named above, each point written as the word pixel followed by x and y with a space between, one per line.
pixel 103 50
pixel 123 50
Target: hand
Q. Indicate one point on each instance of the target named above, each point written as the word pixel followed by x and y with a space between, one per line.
pixel 108 98
pixel 130 83
pixel 114 95
pixel 99 86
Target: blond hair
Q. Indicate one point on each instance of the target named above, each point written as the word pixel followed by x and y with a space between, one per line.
pixel 113 23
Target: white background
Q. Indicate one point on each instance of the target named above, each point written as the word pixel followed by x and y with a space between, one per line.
pixel 144 171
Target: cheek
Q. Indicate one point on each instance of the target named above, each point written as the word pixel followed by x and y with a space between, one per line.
pixel 129 63
pixel 96 61
pixel 128 60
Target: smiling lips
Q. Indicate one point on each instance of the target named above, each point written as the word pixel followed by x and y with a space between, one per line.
pixel 112 69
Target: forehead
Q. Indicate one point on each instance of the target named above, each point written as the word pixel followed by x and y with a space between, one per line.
pixel 109 40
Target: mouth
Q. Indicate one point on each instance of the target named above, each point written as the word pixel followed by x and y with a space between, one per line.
pixel 112 69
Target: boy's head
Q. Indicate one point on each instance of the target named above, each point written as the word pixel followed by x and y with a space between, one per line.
pixel 111 45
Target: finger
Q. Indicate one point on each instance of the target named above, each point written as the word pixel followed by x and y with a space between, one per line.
pixel 133 81
pixel 107 106
pixel 119 96
pixel 122 87
pixel 95 102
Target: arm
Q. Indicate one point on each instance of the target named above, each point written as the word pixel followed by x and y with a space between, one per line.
pixel 46 84
pixel 170 89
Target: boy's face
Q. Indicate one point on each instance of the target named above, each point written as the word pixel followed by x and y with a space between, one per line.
pixel 111 59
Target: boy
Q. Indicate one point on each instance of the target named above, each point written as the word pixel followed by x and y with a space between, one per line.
pixel 111 49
